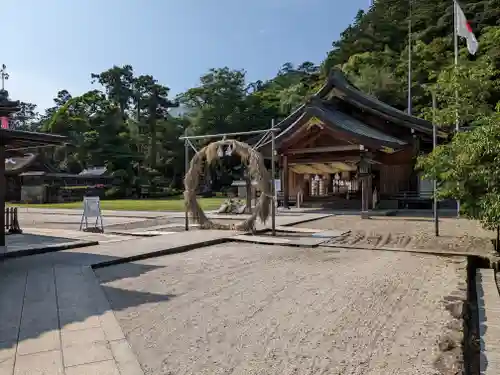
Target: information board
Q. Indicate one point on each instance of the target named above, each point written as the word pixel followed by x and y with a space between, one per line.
pixel 92 210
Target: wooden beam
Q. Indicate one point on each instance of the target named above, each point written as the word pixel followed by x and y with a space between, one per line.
pixel 324 158
pixel 324 149
pixel 309 137
pixel 306 169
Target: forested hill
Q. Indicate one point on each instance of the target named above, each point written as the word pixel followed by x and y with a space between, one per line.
pixel 125 123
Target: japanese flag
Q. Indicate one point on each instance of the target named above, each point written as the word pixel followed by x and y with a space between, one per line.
pixel 465 30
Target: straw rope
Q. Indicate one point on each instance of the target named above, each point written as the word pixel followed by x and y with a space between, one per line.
pixel 256 171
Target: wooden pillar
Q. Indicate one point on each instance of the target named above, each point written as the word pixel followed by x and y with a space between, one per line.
pixel 365 176
pixel 248 191
pixel 286 182
pixel 2 194
pixel 369 188
pixel 414 178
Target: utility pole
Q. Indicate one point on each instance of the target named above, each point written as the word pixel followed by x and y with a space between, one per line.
pixel 410 51
pixel 4 75
pixel 273 186
pixel 434 144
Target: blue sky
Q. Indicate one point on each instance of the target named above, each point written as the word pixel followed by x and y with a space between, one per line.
pixel 56 44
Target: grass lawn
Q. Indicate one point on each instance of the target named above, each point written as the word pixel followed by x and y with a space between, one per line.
pixel 167 204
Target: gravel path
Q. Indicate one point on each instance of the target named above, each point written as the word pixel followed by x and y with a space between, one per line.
pixel 249 309
pixel 459 235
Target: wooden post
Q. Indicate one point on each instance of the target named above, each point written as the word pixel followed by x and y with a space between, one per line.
pixel 248 188
pixel 2 194
pixel 364 175
pixel 369 188
pixel 286 182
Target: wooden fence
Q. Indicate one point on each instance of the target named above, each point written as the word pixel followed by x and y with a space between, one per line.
pixel 12 221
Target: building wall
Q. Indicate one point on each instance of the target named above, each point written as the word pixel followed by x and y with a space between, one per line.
pixel 33 194
pixel 295 181
pixel 395 178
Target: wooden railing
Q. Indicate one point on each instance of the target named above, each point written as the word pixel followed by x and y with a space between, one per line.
pixel 12 221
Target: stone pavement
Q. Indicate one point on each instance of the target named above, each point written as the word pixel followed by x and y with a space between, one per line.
pixel 55 318
pixel 30 243
pixel 488 302
pixel 78 235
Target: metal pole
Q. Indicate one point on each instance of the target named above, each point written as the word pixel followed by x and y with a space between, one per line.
pixel 186 168
pixel 409 58
pixel 273 192
pixel 222 135
pixel 434 144
pixel 455 45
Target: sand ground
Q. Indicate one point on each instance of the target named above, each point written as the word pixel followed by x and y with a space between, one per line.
pixel 252 309
pixel 458 235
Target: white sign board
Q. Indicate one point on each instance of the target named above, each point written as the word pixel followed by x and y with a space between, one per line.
pixel 91 209
pixel 277 185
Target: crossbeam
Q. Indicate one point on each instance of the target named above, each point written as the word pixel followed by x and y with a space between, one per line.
pixel 323 149
pixel 208 136
pixel 272 131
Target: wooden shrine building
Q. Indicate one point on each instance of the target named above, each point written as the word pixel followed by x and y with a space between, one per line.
pixel 11 140
pixel 348 150
pixel 32 179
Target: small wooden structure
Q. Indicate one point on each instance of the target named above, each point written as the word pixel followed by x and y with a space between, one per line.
pixel 342 147
pixel 11 141
pixel 31 179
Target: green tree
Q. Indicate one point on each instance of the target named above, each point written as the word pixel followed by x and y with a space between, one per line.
pixel 26 119
pixel 467 169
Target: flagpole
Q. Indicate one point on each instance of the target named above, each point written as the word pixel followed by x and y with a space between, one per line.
pixel 410 49
pixel 455 45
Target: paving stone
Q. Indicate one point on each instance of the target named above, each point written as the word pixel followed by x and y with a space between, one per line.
pixel 489 321
pixel 45 363
pixel 7 366
pixel 11 302
pixel 110 325
pixel 40 285
pixel 99 298
pixel 125 358
pixel 46 341
pixel 83 336
pixel 78 321
pixel 39 314
pixel 7 351
pixel 130 368
pixel 97 368
pixel 9 329
pixel 82 354
pixel 38 317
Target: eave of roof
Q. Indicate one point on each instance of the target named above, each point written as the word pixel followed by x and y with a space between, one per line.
pixel 337 80
pixel 338 121
pixel 17 139
pixel 17 164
